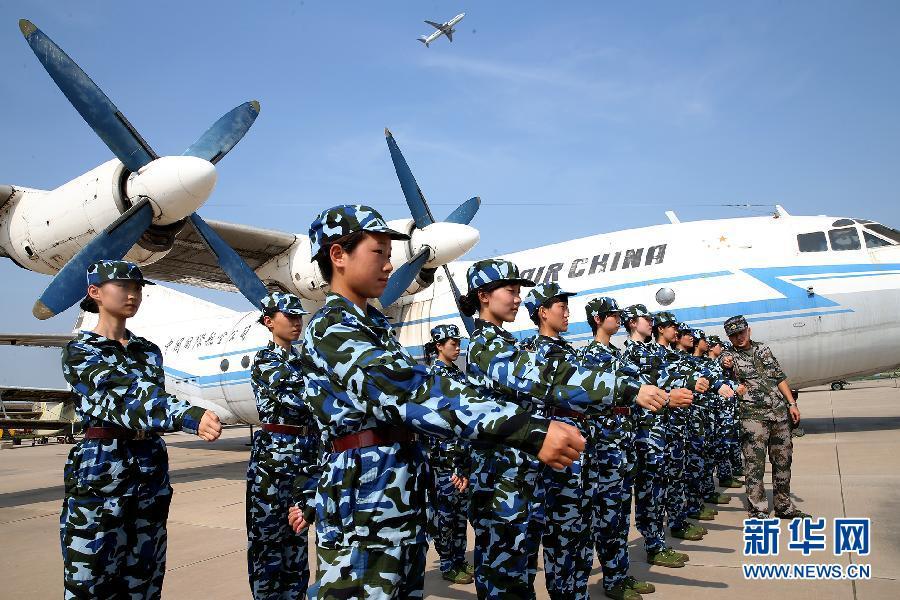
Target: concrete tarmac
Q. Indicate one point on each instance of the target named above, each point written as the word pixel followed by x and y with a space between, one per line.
pixel 847 465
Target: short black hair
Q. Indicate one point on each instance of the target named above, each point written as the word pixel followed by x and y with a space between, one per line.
pixel 592 321
pixel 548 303
pixel 470 304
pixel 348 242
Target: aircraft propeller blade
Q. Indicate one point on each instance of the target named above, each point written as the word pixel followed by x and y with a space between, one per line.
pixel 68 286
pixel 225 133
pixel 465 212
pixel 468 321
pixel 240 273
pixel 403 277
pixel 418 208
pixel 92 104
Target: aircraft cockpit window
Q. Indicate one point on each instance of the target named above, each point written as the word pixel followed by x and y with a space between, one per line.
pixel 884 231
pixel 863 221
pixel 812 242
pixel 844 239
pixel 873 241
pixel 842 223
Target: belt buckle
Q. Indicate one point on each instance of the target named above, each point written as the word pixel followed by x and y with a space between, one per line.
pixel 141 434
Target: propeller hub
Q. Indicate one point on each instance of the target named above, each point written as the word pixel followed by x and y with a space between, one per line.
pixel 446 241
pixel 176 186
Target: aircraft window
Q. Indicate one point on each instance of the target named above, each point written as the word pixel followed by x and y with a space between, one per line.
pixel 864 221
pixel 844 239
pixel 888 232
pixel 842 223
pixel 812 242
pixel 873 241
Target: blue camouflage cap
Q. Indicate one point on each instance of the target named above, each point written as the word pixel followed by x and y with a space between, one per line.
pixel 685 329
pixel 110 270
pixel 663 318
pixel 634 311
pixel 489 270
pixel 601 306
pixel 735 325
pixel 698 334
pixel 444 332
pixel 114 270
pixel 338 221
pixel 539 295
pixel 714 340
pixel 288 304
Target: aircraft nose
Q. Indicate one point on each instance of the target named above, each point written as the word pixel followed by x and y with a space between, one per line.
pixel 176 186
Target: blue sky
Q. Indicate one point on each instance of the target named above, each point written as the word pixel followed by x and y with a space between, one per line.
pixel 568 119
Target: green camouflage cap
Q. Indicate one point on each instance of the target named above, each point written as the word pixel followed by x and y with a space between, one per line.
pixel 714 340
pixel 489 270
pixel 539 295
pixel 338 221
pixel 445 332
pixel 663 318
pixel 634 311
pixel 735 325
pixel 110 270
pixel 601 306
pixel 288 304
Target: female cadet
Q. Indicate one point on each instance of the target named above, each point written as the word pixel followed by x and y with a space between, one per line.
pixel 610 455
pixel 450 464
pixel 370 398
pixel 507 495
pixel 693 342
pixel 728 444
pixel 644 348
pixel 285 445
pixel 117 492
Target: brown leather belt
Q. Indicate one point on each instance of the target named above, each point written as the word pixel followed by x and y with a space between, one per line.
pixel 571 414
pixel 287 429
pixel 381 436
pixel 109 433
pixel 622 410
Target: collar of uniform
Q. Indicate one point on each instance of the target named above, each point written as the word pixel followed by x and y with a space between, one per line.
pixel 95 339
pixel 607 347
pixel 495 330
pixel 281 352
pixel 557 341
pixel 372 316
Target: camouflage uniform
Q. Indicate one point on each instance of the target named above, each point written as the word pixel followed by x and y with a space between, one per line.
pixel 724 422
pixel 117 492
pixel 656 364
pixel 507 509
pixel 766 424
pixel 611 457
pixel 448 457
pixel 369 505
pixel 278 558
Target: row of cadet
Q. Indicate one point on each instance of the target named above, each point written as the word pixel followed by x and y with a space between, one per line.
pixel 558 440
pixel 666 460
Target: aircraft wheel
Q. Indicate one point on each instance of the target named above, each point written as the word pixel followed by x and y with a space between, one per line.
pixel 837 386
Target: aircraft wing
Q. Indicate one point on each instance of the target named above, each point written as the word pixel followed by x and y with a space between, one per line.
pixel 40 340
pixel 14 394
pixel 37 409
pixel 437 26
pixel 449 34
pixel 190 262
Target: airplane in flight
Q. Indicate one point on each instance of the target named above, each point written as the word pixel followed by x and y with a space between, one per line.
pixel 442 29
pixel 821 290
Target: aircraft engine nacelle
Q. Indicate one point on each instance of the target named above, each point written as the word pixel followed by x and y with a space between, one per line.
pixel 41 230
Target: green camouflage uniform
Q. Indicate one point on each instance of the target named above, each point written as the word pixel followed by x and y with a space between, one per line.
pixel 766 424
